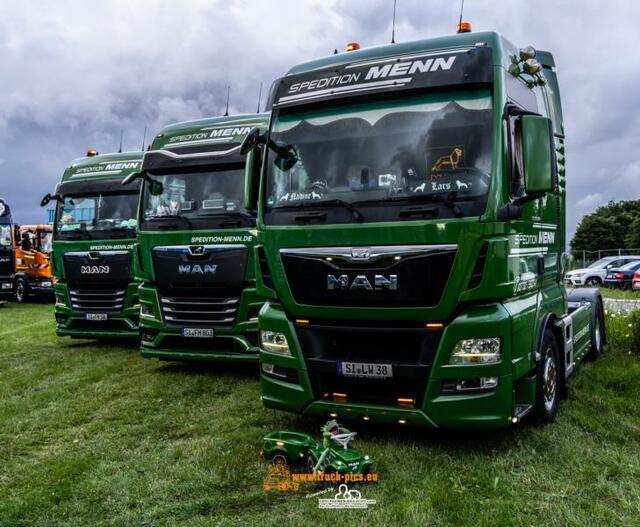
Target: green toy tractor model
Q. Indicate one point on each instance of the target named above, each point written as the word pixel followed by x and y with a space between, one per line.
pixel 333 455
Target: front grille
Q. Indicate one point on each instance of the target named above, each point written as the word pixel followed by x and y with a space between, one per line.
pixel 101 300
pixel 410 351
pixel 201 311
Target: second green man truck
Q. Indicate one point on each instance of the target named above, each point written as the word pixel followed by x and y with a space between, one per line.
pixel 93 247
pixel 196 235
pixel 412 237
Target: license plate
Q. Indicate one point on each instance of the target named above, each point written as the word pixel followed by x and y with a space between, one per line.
pixel 198 333
pixel 365 369
pixel 96 317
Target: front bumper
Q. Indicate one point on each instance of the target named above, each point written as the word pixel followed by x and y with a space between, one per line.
pixel 73 323
pixel 620 283
pixel 236 344
pixel 574 280
pixel 300 392
pixel 6 287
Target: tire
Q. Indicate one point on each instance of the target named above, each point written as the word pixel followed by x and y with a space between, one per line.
pixel 597 333
pixel 280 458
pixel 547 380
pixel 593 281
pixel 21 290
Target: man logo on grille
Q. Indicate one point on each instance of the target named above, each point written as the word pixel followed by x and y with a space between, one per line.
pixel 196 250
pixel 360 253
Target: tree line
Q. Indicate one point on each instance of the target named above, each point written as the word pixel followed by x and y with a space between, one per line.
pixel 615 225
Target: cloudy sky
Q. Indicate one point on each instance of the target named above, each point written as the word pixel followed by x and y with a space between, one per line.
pixel 74 73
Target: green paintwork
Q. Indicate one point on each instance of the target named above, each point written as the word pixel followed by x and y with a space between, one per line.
pixel 512 299
pixel 201 132
pixel 88 169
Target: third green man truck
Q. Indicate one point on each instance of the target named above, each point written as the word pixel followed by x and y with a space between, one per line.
pixel 93 239
pixel 195 243
pixel 412 237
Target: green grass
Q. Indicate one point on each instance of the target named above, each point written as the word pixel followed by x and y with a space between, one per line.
pixel 625 294
pixel 92 434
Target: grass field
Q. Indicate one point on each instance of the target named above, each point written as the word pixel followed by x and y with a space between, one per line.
pixel 625 294
pixel 92 434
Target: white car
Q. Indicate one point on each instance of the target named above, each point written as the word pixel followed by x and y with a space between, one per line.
pixel 595 273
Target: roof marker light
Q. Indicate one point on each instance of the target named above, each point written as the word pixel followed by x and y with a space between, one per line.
pixel 464 27
pixel 91 152
pixel 353 46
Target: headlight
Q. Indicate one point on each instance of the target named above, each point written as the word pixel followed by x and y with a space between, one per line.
pixel 146 311
pixel 45 283
pixel 476 351
pixel 274 342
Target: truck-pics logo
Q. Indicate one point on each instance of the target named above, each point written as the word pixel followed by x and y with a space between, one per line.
pixel 193 269
pixel 94 269
pixel 362 283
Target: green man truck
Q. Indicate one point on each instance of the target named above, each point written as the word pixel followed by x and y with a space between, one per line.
pixel 196 233
pixel 6 252
pixel 412 237
pixel 96 295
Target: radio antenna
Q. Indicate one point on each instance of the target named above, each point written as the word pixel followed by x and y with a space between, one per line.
pixel 120 149
pixel 393 23
pixel 144 136
pixel 259 97
pixel 226 112
pixel 461 10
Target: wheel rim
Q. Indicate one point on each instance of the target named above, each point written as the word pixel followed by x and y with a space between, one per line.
pixel 20 292
pixel 279 460
pixel 550 381
pixel 598 335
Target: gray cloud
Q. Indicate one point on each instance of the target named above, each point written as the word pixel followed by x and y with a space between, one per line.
pixel 74 75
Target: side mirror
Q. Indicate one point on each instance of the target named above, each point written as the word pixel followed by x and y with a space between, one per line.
pixel 252 179
pixel 251 140
pixel 48 197
pixel 538 155
pixel 132 177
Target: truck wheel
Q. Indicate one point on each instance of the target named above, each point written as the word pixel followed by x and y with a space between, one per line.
pixel 21 290
pixel 597 333
pixel 547 380
pixel 280 458
pixel 593 281
pixel 311 464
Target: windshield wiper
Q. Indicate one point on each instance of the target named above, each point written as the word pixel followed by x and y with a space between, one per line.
pixel 170 219
pixel 446 200
pixel 355 213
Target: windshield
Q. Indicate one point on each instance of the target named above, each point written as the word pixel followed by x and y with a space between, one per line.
pixel 197 199
pixel 630 266
pixel 430 147
pixel 599 263
pixel 5 236
pixel 93 216
pixel 44 241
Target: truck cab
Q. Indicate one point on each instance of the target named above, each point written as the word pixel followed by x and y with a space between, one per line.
pixel 196 234
pixel 96 294
pixel 32 270
pixel 412 237
pixel 6 251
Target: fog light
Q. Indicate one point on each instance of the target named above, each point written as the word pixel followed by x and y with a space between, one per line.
pixel 476 351
pixel 480 384
pixel 61 319
pixel 274 342
pixel 148 335
pixel 59 300
pixel 146 310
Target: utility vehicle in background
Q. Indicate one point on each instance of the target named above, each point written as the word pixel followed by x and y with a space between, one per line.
pixel 6 251
pixel 32 269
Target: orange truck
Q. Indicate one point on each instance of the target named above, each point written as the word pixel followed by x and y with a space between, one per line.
pixel 32 268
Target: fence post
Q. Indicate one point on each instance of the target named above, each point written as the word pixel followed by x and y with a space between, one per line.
pixel 584 259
